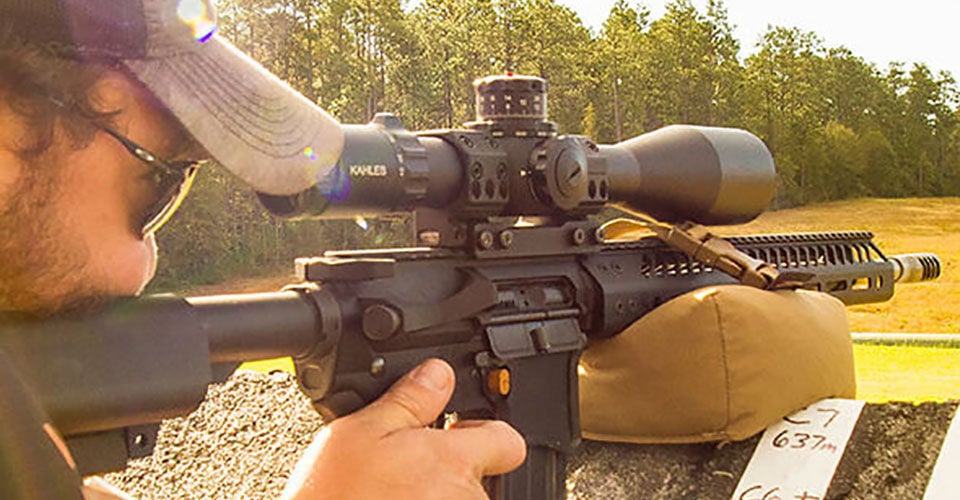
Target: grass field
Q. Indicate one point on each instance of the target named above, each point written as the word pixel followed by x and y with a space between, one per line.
pixel 900 226
pixel 897 373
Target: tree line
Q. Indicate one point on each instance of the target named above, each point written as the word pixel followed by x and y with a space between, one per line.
pixel 838 126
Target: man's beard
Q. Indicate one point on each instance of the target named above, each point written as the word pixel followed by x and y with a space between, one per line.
pixel 40 270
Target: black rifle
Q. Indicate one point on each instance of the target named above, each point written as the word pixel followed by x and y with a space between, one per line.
pixel 510 306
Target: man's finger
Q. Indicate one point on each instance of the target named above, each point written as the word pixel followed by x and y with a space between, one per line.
pixel 495 447
pixel 416 400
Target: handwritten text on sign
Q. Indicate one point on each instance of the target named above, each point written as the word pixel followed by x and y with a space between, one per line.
pixel 945 482
pixel 797 457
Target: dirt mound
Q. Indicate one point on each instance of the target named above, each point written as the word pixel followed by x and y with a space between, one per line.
pixel 246 437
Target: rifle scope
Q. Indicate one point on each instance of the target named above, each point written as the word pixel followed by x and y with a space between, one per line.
pixel 512 162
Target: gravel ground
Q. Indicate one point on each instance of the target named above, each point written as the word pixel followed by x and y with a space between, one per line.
pixel 242 442
pixel 246 437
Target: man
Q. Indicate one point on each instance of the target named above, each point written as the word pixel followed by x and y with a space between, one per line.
pixel 104 108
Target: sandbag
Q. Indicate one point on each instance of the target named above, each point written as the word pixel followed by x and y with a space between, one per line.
pixel 717 364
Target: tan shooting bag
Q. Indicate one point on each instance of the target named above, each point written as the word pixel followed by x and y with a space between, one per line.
pixel 717 364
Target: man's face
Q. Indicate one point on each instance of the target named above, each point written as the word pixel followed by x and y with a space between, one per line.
pixel 70 220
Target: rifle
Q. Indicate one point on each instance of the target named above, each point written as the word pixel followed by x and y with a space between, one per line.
pixel 510 306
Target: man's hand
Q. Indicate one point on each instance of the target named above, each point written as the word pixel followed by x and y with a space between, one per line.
pixel 385 451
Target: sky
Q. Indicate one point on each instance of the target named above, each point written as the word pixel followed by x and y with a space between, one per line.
pixel 879 31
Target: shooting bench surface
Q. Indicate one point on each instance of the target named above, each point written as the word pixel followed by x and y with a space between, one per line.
pixel 246 437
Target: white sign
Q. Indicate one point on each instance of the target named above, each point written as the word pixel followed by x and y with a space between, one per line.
pixel 797 457
pixel 945 482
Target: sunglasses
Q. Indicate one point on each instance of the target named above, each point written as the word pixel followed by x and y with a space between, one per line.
pixel 172 178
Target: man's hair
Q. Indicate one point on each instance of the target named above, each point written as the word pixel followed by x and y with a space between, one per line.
pixel 46 86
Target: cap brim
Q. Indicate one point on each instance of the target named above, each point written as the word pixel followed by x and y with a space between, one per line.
pixel 254 124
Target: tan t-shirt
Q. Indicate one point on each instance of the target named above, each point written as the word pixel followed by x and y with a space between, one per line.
pixel 34 462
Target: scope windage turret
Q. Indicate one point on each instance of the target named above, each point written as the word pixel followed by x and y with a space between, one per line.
pixel 512 162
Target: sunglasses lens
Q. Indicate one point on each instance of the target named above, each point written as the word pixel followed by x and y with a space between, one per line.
pixel 173 190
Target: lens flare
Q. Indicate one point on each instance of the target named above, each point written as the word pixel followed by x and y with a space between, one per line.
pixel 196 15
pixel 310 153
pixel 361 222
pixel 336 185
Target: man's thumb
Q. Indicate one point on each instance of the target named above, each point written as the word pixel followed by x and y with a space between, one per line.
pixel 416 400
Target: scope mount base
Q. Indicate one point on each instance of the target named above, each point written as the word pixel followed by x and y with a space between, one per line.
pixel 505 237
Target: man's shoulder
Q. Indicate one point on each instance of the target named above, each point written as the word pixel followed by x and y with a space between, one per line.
pixel 34 462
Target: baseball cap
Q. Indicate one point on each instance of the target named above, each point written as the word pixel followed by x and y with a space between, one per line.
pixel 253 123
